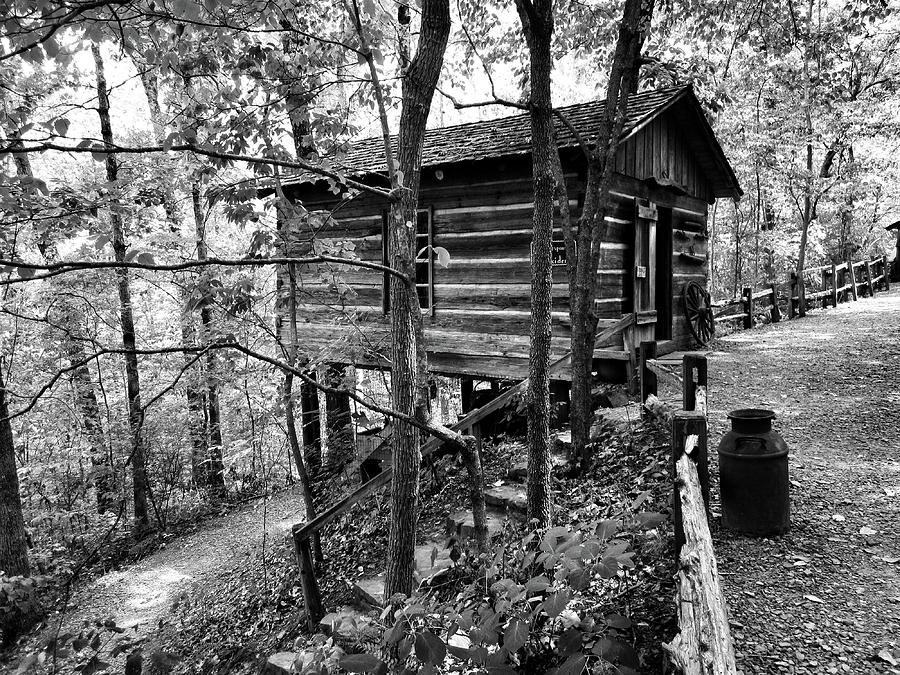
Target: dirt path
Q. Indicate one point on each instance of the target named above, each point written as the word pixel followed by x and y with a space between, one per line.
pixel 825 598
pixel 141 596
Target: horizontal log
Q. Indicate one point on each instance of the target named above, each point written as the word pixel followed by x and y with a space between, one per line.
pixel 664 372
pixel 704 645
pixel 819 269
pixel 730 317
pixel 764 293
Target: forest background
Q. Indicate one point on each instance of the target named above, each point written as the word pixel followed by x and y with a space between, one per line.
pixel 802 96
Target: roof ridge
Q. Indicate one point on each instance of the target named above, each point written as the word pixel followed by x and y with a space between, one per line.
pixel 524 113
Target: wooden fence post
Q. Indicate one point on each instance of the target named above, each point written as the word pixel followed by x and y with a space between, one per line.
pixel 689 383
pixel 776 313
pixel 854 291
pixel 649 380
pixel 312 598
pixel 792 288
pixel 689 423
pixel 834 285
pixel 747 304
pixel 886 271
pixel 872 290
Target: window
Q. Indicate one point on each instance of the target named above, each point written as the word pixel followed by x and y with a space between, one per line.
pixel 424 261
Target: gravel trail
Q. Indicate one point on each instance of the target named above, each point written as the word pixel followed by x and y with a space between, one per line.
pixel 825 598
pixel 140 597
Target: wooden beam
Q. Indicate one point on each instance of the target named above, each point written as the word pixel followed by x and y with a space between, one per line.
pixel 834 286
pixel 704 645
pixel 649 383
pixel 872 290
pixel 747 304
pixel 312 598
pixel 692 363
pixel 854 291
pixel 776 313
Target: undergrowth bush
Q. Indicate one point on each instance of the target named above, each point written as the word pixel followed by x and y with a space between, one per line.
pixel 539 604
pixel 20 605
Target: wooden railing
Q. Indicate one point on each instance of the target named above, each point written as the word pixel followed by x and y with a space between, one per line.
pixel 303 532
pixel 703 645
pixel 744 308
pixel 833 284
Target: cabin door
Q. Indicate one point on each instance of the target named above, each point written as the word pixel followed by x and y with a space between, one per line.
pixel 664 298
pixel 644 271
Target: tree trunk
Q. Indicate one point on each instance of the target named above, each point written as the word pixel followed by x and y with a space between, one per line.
pixel 197 423
pixel 198 426
pixel 290 418
pixel 808 214
pixel 140 481
pixel 592 227
pixel 71 318
pixel 215 476
pixel 537 23
pixel 13 542
pixel 409 361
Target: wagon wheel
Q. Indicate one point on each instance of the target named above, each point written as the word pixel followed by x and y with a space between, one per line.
pixel 697 308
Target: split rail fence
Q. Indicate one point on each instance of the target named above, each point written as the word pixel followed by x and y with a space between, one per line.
pixel 825 284
pixel 703 645
pixel 833 284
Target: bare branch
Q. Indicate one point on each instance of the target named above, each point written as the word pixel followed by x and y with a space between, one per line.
pixel 437 430
pixel 65 267
pixel 10 147
pixel 459 105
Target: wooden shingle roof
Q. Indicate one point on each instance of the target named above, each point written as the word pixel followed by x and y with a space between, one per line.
pixel 509 136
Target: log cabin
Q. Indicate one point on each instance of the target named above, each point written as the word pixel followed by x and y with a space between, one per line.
pixel 476 202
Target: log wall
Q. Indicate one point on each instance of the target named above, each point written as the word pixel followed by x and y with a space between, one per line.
pixel 479 323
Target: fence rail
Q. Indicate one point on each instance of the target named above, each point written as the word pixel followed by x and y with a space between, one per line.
pixel 703 645
pixel 834 284
pixel 747 310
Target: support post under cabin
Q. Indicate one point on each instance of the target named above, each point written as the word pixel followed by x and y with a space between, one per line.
pixel 338 420
pixel 466 393
pixel 559 400
pixel 886 272
pixel 310 424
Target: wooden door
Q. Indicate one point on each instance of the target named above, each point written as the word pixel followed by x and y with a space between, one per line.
pixel 644 269
pixel 664 292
